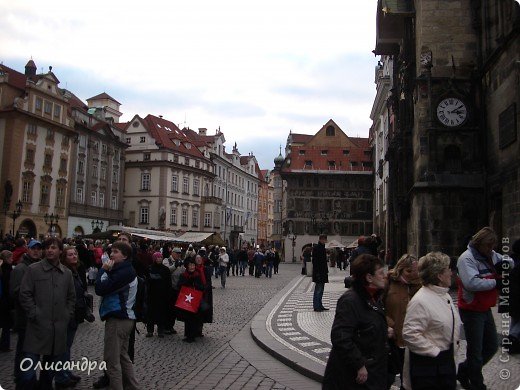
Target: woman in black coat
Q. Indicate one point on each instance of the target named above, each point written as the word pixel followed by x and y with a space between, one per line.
pixel 159 292
pixel 358 359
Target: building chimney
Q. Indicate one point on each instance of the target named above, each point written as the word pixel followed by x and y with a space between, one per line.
pixel 202 131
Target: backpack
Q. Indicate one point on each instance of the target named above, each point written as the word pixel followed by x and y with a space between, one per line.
pixel 140 306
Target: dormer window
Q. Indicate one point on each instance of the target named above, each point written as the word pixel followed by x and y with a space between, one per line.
pixel 187 145
pixel 302 152
pixel 142 140
pixel 324 152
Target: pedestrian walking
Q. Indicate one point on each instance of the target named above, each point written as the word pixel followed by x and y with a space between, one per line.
pixel 116 284
pixel 402 284
pixel 223 262
pixel 478 284
pixel 320 272
pixel 431 329
pixel 358 359
pixel 48 297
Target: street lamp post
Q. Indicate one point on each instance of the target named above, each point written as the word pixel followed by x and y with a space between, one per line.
pixel 52 221
pixel 15 214
pixel 292 237
pixel 97 226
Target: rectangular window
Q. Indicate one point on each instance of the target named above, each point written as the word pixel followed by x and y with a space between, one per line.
pixel 308 163
pixel 114 202
pixel 44 195
pixel 79 195
pixel 128 140
pixel 186 161
pixel 143 214
pixel 145 181
pixel 207 219
pixel 32 129
pixel 103 173
pixel 196 187
pixel 26 193
pixel 81 167
pixel 184 217
pixel 83 141
pixel 94 171
pixel 29 156
pixel 47 160
pixel 65 140
pixel 50 134
pixel 115 175
pixel 38 104
pixel 146 156
pixel 63 165
pixel 104 148
pixel 195 218
pixel 186 185
pixel 116 155
pixel 47 107
pixel 197 164
pixel 101 199
pixel 173 216
pixel 175 183
pixel 93 198
pixel 60 197
pixel 57 111
pixel 142 140
pixel 95 146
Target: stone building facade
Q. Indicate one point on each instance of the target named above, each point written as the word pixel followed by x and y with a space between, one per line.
pixel 328 189
pixel 453 80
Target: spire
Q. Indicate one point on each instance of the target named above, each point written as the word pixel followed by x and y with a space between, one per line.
pixel 30 68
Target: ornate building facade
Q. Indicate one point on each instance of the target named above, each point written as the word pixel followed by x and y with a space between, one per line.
pixel 328 189
pixel 453 149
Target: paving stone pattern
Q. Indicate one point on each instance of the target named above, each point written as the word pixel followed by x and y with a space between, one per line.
pixel 169 363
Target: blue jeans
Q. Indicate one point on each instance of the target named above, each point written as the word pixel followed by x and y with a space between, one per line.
pixel 64 375
pixel 269 270
pixel 27 379
pixel 318 296
pixel 243 266
pixel 481 336
pixel 223 274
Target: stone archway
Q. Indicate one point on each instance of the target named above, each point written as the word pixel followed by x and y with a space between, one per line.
pixel 27 229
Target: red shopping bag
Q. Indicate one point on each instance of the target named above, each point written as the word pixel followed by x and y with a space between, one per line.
pixel 189 299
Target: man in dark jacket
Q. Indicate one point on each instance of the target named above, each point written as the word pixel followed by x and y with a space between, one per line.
pixel 320 272
pixel 117 285
pixel 34 254
pixel 48 297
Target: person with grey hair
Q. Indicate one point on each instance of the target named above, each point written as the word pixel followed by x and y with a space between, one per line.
pixel 431 329
pixel 479 281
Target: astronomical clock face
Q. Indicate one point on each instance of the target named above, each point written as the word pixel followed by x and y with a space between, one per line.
pixel 452 112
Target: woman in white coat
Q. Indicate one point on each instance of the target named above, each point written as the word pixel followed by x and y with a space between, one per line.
pixel 431 329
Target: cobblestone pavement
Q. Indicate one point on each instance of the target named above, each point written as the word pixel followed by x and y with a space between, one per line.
pixel 298 330
pixel 209 363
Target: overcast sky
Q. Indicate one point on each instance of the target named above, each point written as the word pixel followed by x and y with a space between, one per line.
pixel 257 69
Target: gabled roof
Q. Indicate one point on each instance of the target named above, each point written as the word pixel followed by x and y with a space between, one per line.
pixel 103 95
pixel 168 135
pixel 334 153
pixel 197 139
pixel 301 138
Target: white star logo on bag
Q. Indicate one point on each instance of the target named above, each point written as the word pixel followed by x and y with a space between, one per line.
pixel 189 298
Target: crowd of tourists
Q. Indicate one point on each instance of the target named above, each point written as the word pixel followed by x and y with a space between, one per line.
pixel 44 297
pixel 405 322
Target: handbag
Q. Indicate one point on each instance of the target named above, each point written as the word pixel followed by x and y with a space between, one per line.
pixel 189 299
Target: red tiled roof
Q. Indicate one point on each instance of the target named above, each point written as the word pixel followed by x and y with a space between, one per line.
pixel 301 138
pixel 76 102
pixel 198 140
pixel 165 132
pixel 15 79
pixel 122 126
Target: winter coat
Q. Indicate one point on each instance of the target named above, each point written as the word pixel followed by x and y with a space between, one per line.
pixel 5 300
pixel 477 284
pixel 117 289
pixel 48 297
pixel 359 338
pixel 159 292
pixel 430 320
pixel 320 271
pixel 396 298
pixel 20 320
pixel 223 260
pixel 80 307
